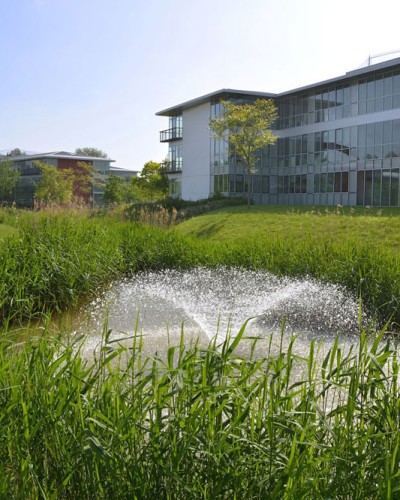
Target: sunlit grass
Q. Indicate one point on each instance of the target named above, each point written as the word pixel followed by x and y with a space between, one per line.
pixel 61 256
pixel 198 422
pixel 6 230
pixel 377 227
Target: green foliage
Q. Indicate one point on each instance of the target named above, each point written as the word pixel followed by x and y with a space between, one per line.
pixel 64 186
pixel 15 152
pixel 82 180
pixel 153 183
pixel 201 422
pixel 8 179
pixel 115 190
pixel 62 257
pixel 246 128
pixel 55 187
pixel 88 151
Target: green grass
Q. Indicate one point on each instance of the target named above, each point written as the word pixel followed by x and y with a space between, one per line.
pixel 198 422
pixel 6 230
pixel 60 257
pixel 214 422
pixel 377 227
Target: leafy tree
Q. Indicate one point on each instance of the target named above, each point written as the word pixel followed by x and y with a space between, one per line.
pixel 8 179
pixel 82 179
pixel 115 190
pixel 54 186
pixel 153 183
pixel 15 152
pixel 97 153
pixel 247 128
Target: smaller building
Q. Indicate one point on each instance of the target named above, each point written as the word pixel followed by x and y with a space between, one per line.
pixel 125 173
pixel 24 192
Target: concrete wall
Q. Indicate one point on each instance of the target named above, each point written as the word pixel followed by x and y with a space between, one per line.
pixel 196 153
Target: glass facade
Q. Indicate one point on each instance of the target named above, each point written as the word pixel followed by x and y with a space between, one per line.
pixel 380 92
pixel 338 143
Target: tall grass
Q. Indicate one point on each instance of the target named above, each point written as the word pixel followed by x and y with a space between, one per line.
pixel 57 259
pixel 198 422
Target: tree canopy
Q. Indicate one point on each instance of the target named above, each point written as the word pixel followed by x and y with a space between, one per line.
pixel 246 128
pixel 8 179
pixel 88 151
pixel 153 182
pixel 15 152
pixel 116 190
pixel 54 186
pixel 65 186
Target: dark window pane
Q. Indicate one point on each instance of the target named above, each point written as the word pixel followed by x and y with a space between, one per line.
pixel 330 183
pixel 368 188
pixel 388 85
pixel 385 202
pixel 265 183
pixel 360 188
pixel 316 183
pixel 345 182
pixel 394 191
pixel 377 188
pixel 337 182
pixel 303 184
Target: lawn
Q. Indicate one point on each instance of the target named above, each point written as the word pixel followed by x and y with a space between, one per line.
pixel 377 227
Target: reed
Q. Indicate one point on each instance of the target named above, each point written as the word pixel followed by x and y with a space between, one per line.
pixel 199 422
pixel 60 257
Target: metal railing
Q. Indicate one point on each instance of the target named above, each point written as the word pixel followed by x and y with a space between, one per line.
pixel 172 166
pixel 171 134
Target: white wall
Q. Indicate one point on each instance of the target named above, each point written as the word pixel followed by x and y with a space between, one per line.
pixel 196 153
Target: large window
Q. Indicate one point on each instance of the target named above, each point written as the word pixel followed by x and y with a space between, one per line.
pixel 290 184
pixel 378 187
pixel 331 182
pixel 174 163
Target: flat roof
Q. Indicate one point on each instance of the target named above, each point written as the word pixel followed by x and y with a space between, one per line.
pixel 205 98
pixel 59 155
pixel 366 70
pixel 123 170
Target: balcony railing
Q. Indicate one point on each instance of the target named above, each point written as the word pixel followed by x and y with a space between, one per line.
pixel 171 134
pixel 172 166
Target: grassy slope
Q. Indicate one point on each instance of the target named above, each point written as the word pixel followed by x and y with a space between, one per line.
pixel 380 228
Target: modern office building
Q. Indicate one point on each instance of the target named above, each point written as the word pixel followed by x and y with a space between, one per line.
pixel 338 143
pixel 29 170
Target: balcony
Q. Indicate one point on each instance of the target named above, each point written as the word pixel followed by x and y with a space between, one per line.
pixel 171 134
pixel 170 167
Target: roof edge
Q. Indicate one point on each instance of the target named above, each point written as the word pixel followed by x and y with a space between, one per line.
pixel 202 99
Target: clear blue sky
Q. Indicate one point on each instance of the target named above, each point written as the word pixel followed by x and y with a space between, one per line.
pixel 78 73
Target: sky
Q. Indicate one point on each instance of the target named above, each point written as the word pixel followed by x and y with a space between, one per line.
pixel 93 73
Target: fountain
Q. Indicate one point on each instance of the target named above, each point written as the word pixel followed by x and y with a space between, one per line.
pixel 209 302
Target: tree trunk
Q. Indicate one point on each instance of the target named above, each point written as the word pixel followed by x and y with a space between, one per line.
pixel 249 187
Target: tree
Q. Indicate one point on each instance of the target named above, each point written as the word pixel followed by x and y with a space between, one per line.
pixel 153 183
pixel 82 179
pixel 15 152
pixel 54 186
pixel 8 179
pixel 97 153
pixel 115 190
pixel 247 128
